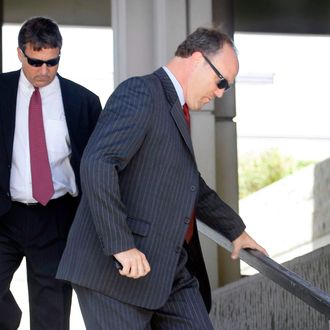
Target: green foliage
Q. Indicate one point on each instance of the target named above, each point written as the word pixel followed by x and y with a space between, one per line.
pixel 256 172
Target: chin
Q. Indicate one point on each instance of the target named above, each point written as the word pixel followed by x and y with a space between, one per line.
pixel 42 83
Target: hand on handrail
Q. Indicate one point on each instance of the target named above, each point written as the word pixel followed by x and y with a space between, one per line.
pixel 245 241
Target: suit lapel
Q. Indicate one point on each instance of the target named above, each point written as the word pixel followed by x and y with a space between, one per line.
pixel 177 114
pixel 69 105
pixel 176 109
pixel 8 111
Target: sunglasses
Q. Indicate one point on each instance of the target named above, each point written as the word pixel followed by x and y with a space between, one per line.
pixel 223 83
pixel 37 63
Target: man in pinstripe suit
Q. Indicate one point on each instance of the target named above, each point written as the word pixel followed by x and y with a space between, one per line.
pixel 141 186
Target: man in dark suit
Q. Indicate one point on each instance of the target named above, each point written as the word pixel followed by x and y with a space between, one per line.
pixel 45 123
pixel 141 192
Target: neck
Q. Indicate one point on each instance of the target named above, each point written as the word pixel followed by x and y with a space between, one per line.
pixel 181 68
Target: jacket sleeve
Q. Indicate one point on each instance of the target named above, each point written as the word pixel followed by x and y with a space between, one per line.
pixel 119 133
pixel 215 213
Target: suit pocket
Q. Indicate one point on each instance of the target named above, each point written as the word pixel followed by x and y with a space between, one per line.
pixel 138 226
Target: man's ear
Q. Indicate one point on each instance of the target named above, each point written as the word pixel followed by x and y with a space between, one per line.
pixel 20 54
pixel 197 56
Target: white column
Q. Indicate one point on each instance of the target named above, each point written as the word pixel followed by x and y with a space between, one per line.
pixel 146 35
pixel 203 136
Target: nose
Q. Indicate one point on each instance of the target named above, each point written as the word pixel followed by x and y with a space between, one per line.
pixel 44 68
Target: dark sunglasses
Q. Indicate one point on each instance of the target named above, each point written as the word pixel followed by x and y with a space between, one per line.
pixel 223 83
pixel 37 63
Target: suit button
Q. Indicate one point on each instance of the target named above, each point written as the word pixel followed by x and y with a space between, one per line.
pixel 178 249
pixel 9 166
pixel 8 194
pixel 193 188
pixel 186 220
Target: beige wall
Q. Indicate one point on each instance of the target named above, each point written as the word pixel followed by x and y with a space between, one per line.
pixel 69 12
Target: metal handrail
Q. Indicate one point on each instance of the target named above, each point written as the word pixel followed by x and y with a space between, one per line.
pixel 282 276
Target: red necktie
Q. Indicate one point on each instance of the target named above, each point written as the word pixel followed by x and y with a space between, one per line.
pixel 186 114
pixel 190 230
pixel 42 183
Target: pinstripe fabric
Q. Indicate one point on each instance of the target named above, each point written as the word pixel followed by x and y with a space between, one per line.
pixel 101 312
pixel 140 184
pixel 184 309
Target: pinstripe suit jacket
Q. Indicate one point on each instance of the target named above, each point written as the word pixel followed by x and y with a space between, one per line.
pixel 140 184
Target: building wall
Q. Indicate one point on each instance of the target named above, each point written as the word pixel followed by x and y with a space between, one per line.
pixel 291 217
pixel 256 303
pixel 68 12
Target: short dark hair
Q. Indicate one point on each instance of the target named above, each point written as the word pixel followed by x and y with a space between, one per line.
pixel 206 41
pixel 40 32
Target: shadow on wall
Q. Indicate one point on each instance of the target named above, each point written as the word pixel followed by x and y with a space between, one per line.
pixel 321 194
pixel 290 217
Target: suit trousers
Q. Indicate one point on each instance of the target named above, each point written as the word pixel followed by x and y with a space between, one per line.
pixel 39 234
pixel 184 309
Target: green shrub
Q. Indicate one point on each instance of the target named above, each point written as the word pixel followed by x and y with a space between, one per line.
pixel 256 172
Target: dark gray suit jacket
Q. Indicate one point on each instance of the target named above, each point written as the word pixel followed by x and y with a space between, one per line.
pixel 81 108
pixel 140 184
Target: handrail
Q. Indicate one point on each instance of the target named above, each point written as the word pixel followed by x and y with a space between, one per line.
pixel 285 278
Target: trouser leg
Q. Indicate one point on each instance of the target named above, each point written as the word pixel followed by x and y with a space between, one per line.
pixel 49 298
pixel 185 308
pixel 10 259
pixel 102 312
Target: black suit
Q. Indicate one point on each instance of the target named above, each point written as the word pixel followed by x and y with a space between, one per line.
pixel 81 108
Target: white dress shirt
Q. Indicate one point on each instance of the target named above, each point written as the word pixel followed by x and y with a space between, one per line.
pixel 57 140
pixel 176 84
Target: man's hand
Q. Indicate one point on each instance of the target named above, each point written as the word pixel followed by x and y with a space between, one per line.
pixel 245 241
pixel 134 262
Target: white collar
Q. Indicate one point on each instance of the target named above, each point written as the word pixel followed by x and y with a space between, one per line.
pixel 176 84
